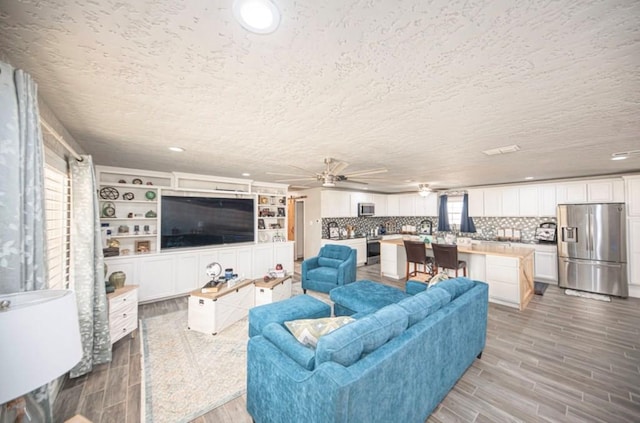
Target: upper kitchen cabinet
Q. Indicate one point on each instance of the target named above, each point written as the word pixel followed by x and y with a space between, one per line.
pixel 427 206
pixel 547 200
pixel 476 202
pixel 600 191
pixel 335 204
pixel 510 202
pixel 380 201
pixel 357 198
pixel 493 202
pixel 393 205
pixel 633 195
pixel 528 201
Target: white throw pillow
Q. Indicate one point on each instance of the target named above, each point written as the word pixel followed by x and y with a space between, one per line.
pixel 308 331
pixel 438 278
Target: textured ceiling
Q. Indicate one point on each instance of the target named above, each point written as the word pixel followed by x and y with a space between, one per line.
pixel 419 87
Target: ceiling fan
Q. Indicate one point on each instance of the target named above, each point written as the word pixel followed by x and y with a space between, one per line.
pixel 330 175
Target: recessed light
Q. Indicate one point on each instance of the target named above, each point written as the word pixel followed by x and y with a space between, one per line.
pixel 528 178
pixel 620 158
pixel 258 16
pixel 408 180
pixel 246 174
pixel 176 149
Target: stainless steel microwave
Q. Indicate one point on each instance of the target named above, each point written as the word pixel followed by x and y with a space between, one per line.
pixel 366 209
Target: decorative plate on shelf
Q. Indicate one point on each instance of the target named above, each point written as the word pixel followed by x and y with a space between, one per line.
pixel 128 196
pixel 109 193
pixel 263 237
pixel 137 181
pixel 150 195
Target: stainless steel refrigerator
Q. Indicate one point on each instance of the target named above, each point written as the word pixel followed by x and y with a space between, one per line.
pixel 592 251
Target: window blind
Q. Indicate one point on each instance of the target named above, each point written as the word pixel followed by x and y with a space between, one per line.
pixel 58 226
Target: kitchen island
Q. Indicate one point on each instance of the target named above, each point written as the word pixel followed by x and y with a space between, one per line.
pixel 508 270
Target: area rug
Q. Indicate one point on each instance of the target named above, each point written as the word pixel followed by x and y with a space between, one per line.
pixel 188 373
pixel 589 295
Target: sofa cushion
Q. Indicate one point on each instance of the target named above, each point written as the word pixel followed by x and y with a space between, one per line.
pixel 308 331
pixel 323 274
pixel 282 338
pixel 455 287
pixel 347 344
pixel 366 296
pixel 329 262
pixel 339 252
pixel 424 303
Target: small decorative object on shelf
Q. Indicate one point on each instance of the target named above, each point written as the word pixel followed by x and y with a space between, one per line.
pixel 113 243
pixel 118 279
pixel 150 195
pixel 146 230
pixel 263 200
pixel 149 183
pixel 130 215
pixel 282 200
pixel 124 251
pixel 261 224
pixel 128 196
pixel 137 181
pixel 123 229
pixel 150 214
pixel 111 252
pixel 108 210
pixel 109 193
pixel 143 246
pixel 136 229
pixel 281 212
pixel 122 181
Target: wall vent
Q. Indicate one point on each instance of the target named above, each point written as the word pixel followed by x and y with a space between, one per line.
pixel 502 150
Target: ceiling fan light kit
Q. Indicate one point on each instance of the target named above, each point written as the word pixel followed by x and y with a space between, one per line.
pixel 424 190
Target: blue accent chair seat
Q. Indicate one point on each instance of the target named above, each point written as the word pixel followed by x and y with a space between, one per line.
pixel 335 265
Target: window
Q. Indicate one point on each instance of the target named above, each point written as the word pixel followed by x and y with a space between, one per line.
pixel 58 226
pixel 454 210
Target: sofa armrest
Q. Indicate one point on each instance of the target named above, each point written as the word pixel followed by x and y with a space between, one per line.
pixel 308 264
pixel 347 270
pixel 289 345
pixel 415 287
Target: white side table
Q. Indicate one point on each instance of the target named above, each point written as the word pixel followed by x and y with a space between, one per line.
pixel 123 312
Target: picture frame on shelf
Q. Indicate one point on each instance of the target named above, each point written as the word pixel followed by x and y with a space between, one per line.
pixel 281 212
pixel 261 224
pixel 143 247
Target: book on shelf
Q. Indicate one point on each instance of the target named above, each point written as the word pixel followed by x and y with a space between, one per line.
pixel 212 286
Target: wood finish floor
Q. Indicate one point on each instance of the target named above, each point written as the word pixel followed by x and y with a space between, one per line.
pixel 563 359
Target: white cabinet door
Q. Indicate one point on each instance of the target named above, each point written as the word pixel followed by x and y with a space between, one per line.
pixel 492 202
pixel 156 277
pixel 357 198
pixel 573 192
pixel 283 254
pixel 476 202
pixel 186 273
pixel 393 205
pixel 510 202
pixel 546 266
pixel 503 279
pixel 244 262
pixel 600 191
pixel 529 201
pixel 633 231
pixel 633 195
pixel 262 260
pixel 380 201
pixel 427 206
pixel 127 265
pixel 335 204
pixel 407 204
pixel 547 200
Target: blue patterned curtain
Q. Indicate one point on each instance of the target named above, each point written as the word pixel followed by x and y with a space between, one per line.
pixel 443 215
pixel 23 265
pixel 466 224
pixel 88 268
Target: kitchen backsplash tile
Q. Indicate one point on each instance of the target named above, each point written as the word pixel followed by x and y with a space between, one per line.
pixel 487 227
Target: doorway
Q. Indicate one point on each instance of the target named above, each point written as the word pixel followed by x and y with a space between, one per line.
pixel 299 230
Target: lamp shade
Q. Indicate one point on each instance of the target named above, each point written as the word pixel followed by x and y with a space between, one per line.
pixel 40 339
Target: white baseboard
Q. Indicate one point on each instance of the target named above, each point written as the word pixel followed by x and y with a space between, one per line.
pixel 634 291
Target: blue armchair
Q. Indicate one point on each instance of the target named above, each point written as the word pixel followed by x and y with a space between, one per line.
pixel 334 266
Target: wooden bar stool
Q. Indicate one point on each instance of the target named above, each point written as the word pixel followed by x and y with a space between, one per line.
pixel 446 256
pixel 417 254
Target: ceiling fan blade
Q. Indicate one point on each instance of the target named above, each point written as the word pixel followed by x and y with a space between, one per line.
pixel 305 170
pixel 297 179
pixel 287 174
pixel 366 172
pixel 338 167
pixel 354 182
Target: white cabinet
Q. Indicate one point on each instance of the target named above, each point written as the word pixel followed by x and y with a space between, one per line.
pixel 283 254
pixel 476 202
pixel 606 191
pixel 493 202
pixel 380 201
pixel 547 200
pixel 528 201
pixel 263 260
pixel 510 202
pixel 186 273
pixel 393 205
pixel 572 192
pixel 357 198
pixel 123 312
pixel 503 277
pixel 336 204
pixel 407 205
pixel 211 313
pixel 427 206
pixel 393 259
pixel 633 255
pixel 155 278
pixel 633 195
pixel 272 291
pixel 358 244
pixel 546 266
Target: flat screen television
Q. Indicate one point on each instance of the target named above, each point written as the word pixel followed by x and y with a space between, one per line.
pixel 199 221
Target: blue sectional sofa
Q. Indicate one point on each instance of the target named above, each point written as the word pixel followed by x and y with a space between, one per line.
pixel 393 364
